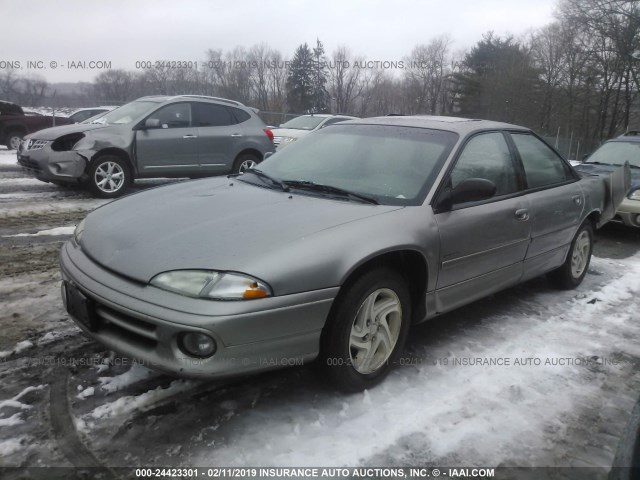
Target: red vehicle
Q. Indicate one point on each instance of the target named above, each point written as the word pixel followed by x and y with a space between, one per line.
pixel 15 123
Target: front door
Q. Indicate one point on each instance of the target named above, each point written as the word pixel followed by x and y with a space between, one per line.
pixel 482 244
pixel 171 148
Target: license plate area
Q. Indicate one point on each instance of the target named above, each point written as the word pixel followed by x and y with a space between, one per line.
pixel 81 308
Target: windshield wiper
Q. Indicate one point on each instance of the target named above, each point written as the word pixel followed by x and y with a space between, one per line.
pixel 263 176
pixel 599 163
pixel 316 187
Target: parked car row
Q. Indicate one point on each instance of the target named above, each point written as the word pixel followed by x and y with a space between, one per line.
pixel 329 251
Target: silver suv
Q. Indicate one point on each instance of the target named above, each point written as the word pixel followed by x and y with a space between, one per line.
pixel 158 136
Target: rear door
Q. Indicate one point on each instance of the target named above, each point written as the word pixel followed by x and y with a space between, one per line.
pixel 556 203
pixel 483 244
pixel 171 148
pixel 220 137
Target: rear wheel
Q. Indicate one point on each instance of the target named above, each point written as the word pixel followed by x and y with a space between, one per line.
pixel 575 267
pixel 244 162
pixel 367 330
pixel 109 176
pixel 12 139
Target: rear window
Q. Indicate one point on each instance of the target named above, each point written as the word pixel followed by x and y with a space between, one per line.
pixel 241 115
pixel 212 115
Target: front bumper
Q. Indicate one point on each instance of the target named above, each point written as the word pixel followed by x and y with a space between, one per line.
pixel 145 323
pixel 48 165
pixel 629 213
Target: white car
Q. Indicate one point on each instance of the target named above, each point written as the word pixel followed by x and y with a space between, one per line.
pixel 300 126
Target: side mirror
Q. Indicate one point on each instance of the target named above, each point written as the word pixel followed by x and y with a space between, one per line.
pixel 473 190
pixel 267 155
pixel 469 190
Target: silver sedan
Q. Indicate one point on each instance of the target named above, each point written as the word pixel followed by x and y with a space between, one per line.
pixel 332 248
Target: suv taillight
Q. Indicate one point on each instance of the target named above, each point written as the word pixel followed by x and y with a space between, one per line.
pixel 269 133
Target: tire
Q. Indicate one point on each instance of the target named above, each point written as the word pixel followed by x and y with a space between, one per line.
pixel 353 325
pixel 108 176
pixel 245 162
pixel 575 267
pixel 12 139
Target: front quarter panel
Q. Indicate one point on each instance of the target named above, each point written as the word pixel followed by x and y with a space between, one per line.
pixel 327 258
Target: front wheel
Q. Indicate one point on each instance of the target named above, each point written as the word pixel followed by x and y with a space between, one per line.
pixel 367 330
pixel 244 162
pixel 12 140
pixel 575 267
pixel 109 176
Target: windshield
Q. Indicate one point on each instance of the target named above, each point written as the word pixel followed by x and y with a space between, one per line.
pixel 393 165
pixel 305 122
pixel 617 153
pixel 127 113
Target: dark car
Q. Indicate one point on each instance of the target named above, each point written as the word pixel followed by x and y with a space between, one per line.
pixel 15 123
pixel 332 248
pixel 159 136
pixel 613 153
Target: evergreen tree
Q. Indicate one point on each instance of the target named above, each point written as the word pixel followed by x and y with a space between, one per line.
pixel 300 81
pixel 498 82
pixel 321 101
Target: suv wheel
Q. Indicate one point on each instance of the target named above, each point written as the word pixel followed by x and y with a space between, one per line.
pixel 13 139
pixel 244 162
pixel 367 330
pixel 109 176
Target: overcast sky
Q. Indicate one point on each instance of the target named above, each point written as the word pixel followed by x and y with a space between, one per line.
pixel 123 31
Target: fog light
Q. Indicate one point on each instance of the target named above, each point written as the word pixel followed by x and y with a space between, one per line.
pixel 198 344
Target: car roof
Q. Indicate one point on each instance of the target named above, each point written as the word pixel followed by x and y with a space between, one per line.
pixel 454 124
pixel 205 98
pixel 631 136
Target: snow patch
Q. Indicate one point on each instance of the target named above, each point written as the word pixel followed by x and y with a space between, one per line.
pixel 20 347
pixel 135 374
pixel 448 405
pixel 87 392
pixel 51 231
pixel 12 445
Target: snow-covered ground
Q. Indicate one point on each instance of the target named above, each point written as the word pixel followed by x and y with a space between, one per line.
pixel 528 377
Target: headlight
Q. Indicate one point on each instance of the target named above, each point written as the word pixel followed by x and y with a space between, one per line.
pixel 212 285
pixel 635 195
pixel 77 234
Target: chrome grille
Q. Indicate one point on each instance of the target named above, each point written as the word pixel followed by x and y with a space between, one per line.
pixel 276 140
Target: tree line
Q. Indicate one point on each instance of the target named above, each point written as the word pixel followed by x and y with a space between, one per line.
pixel 576 79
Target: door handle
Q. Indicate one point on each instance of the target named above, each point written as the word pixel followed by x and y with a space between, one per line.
pixel 189 136
pixel 577 199
pixel 522 214
pixel 236 134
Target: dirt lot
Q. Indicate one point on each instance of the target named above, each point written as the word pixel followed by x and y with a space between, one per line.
pixel 65 401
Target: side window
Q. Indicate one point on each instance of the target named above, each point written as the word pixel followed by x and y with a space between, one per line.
pixel 212 115
pixel 487 156
pixel 542 165
pixel 176 115
pixel 241 115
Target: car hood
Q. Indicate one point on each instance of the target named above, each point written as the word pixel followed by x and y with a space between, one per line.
pixel 216 224
pixel 289 132
pixel 57 132
pixel 596 169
